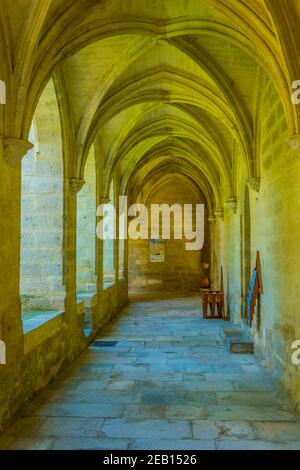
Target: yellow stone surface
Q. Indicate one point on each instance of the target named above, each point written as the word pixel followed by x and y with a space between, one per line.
pixel 126 95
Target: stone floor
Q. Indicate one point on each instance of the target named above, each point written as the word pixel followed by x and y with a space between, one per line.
pixel 167 383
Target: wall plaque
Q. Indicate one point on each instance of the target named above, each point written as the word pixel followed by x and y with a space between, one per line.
pixel 157 251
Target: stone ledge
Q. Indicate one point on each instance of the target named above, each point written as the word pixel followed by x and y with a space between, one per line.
pixel 89 299
pixel 38 327
pixel 108 284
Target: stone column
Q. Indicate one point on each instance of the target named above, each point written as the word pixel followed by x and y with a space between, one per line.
pixel 99 257
pixel 117 242
pixel 11 329
pixel 213 261
pixel 231 204
pixel 218 244
pixel 74 327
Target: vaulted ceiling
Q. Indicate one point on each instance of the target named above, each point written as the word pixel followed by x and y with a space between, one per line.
pixel 160 85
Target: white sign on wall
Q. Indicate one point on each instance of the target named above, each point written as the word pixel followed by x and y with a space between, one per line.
pixel 2 353
pixel 157 251
pixel 2 92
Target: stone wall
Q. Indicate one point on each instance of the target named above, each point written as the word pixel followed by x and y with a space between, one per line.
pixel 47 350
pixel 181 270
pixel 275 232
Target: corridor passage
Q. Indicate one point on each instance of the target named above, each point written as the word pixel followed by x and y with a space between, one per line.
pixel 159 378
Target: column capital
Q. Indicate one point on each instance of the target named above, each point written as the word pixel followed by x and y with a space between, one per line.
pixel 104 200
pixel 14 150
pixel 294 142
pixel 76 184
pixel 219 213
pixel 231 203
pixel 254 183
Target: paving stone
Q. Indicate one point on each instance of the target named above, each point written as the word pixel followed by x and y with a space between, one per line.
pixel 83 410
pixel 186 411
pixel 107 397
pixel 76 443
pixel 256 445
pixel 151 428
pixel 204 429
pixel 246 384
pixel 205 386
pixel 277 431
pixel 249 413
pixel 71 427
pixel 173 444
pixel 145 411
pixel 177 397
pixel 250 398
pixel 235 430
pixel 180 389
pixel 120 385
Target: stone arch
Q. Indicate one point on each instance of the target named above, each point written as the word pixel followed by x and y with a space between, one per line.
pixel 41 275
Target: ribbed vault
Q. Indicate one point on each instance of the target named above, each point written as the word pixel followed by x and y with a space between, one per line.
pixel 159 88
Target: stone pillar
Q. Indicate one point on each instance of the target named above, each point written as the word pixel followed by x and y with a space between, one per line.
pixel 100 200
pixel 74 327
pixel 116 241
pixel 231 204
pixel 213 260
pixel 11 329
pixel 254 183
pixel 99 256
pixel 219 245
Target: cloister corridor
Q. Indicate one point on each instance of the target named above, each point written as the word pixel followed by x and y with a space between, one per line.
pixel 160 378
pixel 149 179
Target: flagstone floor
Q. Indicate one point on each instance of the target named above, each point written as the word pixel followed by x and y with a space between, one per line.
pixel 167 383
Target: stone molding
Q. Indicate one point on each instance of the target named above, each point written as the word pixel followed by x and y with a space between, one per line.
pixel 231 203
pixel 76 184
pixel 104 200
pixel 219 213
pixel 14 150
pixel 254 183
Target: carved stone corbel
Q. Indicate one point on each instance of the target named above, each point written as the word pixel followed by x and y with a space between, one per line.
pixel 76 184
pixel 14 150
pixel 254 183
pixel 104 200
